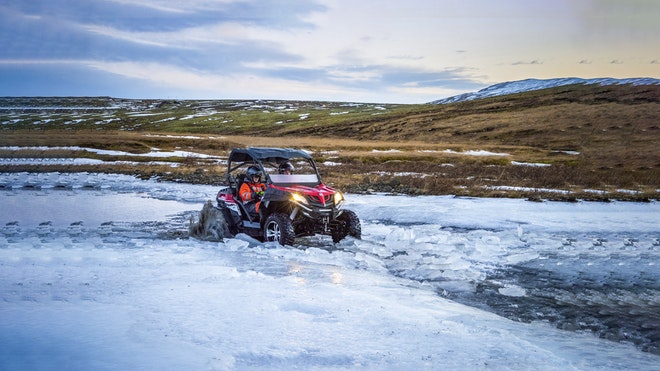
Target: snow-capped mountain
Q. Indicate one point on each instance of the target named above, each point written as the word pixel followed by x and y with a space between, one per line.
pixel 512 87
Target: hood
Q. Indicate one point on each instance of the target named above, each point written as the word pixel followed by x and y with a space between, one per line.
pixel 320 193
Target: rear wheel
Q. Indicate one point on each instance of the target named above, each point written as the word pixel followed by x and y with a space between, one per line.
pixel 278 228
pixel 348 225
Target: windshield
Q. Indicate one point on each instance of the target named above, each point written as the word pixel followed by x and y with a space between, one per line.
pixel 282 179
pixel 303 172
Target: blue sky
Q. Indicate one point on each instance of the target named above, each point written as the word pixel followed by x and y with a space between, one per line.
pixel 385 51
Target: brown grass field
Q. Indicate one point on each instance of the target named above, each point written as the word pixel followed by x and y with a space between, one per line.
pixel 597 142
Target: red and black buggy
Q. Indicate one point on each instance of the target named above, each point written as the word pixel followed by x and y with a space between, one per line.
pixel 293 205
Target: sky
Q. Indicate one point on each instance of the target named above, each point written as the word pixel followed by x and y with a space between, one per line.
pixel 382 51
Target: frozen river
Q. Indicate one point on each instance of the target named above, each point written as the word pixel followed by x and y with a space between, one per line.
pixel 589 270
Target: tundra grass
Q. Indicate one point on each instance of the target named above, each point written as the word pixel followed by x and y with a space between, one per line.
pixel 574 141
pixel 354 165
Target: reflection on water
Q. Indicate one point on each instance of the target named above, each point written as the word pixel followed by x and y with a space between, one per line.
pixel 61 208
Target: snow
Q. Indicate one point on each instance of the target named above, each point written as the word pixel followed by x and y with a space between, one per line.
pixel 476 153
pixel 97 273
pixel 528 189
pixel 173 136
pixel 513 87
pixel 155 152
pixel 531 164
pixel 79 161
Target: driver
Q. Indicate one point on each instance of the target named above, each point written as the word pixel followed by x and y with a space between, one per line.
pixel 286 168
pixel 252 190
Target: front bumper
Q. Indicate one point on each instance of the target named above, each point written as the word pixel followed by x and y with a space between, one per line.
pixel 317 211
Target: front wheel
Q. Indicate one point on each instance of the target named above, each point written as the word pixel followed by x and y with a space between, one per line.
pixel 348 225
pixel 278 228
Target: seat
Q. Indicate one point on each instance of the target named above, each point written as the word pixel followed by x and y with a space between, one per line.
pixel 245 214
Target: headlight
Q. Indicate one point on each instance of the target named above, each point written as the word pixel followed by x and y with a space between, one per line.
pixel 297 197
pixel 338 197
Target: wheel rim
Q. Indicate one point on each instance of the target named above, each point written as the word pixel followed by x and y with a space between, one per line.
pixel 273 232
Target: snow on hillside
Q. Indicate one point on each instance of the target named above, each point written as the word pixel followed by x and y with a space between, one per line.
pixel 97 273
pixel 513 87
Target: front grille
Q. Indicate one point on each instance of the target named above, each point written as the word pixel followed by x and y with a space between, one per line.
pixel 318 209
pixel 315 203
pixel 320 201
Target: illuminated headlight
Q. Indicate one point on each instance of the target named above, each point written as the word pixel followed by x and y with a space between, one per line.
pixel 297 197
pixel 339 198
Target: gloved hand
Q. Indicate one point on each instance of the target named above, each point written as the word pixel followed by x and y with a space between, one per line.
pixel 257 195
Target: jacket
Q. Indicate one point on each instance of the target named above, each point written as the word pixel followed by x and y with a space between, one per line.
pixel 251 192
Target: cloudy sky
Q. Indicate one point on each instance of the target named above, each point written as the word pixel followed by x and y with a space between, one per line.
pixel 386 51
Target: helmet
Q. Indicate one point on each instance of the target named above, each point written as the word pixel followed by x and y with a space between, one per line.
pixel 286 166
pixel 252 172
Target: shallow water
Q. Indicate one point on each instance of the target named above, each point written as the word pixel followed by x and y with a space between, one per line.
pixel 91 207
pixel 596 272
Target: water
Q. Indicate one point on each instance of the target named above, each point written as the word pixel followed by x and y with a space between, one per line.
pixel 91 207
pixel 516 259
pixel 615 296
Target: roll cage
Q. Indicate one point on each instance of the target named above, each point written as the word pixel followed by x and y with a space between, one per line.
pixel 268 160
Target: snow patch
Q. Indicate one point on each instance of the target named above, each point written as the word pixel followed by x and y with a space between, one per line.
pixel 512 87
pixel 82 247
pixel 512 290
pixel 516 163
pixel 476 153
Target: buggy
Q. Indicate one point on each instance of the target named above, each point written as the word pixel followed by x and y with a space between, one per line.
pixel 293 205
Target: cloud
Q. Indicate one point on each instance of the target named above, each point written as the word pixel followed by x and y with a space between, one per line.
pixel 367 83
pixel 373 77
pixel 406 57
pixel 161 74
pixel 144 38
pixel 363 50
pixel 151 15
pixel 161 5
pixel 84 28
pixel 532 62
pixel 204 35
pixel 185 82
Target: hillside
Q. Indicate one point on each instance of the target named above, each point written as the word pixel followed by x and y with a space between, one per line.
pixel 521 86
pixel 529 118
pixel 571 141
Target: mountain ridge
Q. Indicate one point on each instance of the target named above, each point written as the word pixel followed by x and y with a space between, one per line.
pixel 531 84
